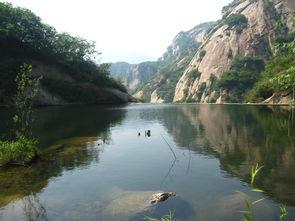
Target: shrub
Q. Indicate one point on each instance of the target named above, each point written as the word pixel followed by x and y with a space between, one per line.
pixel 237 21
pixel 230 54
pixel 202 55
pixel 200 91
pixel 270 10
pixel 193 75
pixel 170 76
pixel 20 151
pixel 213 86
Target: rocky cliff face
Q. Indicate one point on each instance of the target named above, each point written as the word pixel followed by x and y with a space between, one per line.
pixel 134 75
pixel 143 79
pixel 251 38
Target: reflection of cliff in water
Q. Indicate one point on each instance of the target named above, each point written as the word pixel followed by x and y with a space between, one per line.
pixel 76 139
pixel 240 136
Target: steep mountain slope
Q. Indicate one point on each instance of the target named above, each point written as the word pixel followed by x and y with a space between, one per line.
pixel 246 31
pixel 155 81
pixel 134 75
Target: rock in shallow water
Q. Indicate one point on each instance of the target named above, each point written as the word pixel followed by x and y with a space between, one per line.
pixel 160 197
pixel 135 205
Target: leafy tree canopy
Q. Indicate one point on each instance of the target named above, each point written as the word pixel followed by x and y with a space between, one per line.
pixel 23 34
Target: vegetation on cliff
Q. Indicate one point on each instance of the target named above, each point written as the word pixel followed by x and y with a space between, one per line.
pixel 252 66
pixel 247 66
pixel 241 77
pixel 168 69
pixel 237 21
pixel 279 74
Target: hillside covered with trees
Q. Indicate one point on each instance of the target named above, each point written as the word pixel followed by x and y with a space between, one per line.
pixel 67 64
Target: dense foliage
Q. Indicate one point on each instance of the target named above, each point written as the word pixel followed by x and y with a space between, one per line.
pixel 23 36
pixel 279 75
pixel 242 75
pixel 166 87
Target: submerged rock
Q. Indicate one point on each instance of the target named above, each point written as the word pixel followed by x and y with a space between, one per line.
pixel 135 205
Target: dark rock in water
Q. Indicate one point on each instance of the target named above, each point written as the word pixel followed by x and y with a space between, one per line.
pixel 182 209
pixel 160 197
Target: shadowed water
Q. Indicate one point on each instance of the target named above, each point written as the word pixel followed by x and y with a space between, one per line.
pixel 94 166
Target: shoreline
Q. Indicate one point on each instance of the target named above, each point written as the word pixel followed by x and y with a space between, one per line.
pixel 124 104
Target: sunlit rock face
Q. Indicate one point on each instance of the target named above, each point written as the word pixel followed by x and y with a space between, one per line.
pixel 144 78
pixel 133 75
pixel 155 98
pixel 215 56
pixel 290 4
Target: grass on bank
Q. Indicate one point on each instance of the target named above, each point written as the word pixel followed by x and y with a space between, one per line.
pixel 18 152
pixel 169 217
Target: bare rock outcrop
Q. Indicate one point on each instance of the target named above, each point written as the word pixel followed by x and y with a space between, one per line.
pixel 155 98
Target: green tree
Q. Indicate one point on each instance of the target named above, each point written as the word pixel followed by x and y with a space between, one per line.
pixel 237 21
pixel 241 77
pixel 23 149
pixel 279 74
pixel 25 37
pixel 27 89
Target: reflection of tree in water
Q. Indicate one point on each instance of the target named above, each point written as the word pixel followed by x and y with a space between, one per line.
pixel 78 145
pixel 34 209
pixel 175 120
pixel 56 123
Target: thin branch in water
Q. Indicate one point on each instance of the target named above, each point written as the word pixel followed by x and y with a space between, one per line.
pixel 169 147
pixel 189 161
pixel 168 173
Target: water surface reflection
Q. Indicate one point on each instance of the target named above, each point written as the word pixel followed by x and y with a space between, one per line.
pixel 95 166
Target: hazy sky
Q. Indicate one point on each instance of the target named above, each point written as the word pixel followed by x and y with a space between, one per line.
pixel 125 30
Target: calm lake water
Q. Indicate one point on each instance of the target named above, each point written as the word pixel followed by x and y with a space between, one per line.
pixel 95 166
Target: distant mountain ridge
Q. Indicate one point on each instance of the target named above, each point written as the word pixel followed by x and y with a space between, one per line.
pixel 144 78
